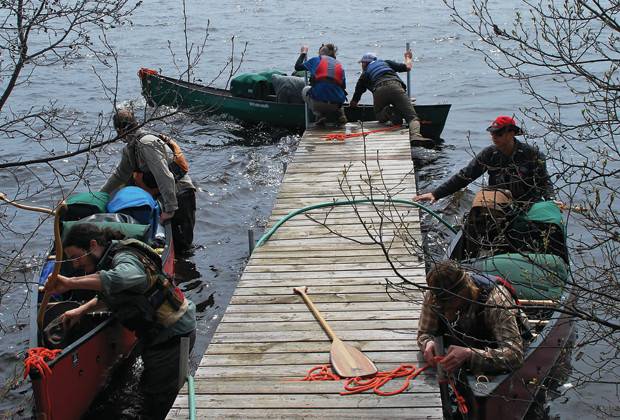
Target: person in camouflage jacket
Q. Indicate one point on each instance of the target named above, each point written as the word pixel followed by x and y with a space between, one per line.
pixel 481 324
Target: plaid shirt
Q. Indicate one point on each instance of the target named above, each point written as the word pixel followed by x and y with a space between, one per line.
pixel 502 324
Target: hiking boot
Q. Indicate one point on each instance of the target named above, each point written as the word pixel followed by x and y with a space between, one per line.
pixel 414 132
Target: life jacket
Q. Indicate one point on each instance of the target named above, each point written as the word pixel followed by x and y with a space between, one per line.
pixel 475 333
pixel 376 69
pixel 160 306
pixel 178 166
pixel 329 70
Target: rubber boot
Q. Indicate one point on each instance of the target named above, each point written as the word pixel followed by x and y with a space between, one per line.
pixel 414 132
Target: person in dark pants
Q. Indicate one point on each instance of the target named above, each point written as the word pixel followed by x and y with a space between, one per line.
pixel 327 91
pixel 511 165
pixel 389 93
pixel 148 161
pixel 128 278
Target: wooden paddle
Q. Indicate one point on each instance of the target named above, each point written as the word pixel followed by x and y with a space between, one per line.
pixel 4 198
pixel 346 361
pixel 57 264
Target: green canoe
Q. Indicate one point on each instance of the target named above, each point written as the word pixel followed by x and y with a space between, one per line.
pixel 161 90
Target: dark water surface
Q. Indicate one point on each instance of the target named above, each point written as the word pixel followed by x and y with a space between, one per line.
pixel 238 170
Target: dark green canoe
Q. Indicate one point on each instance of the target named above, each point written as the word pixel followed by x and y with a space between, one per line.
pixel 161 90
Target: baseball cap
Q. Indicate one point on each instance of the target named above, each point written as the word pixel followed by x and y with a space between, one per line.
pixel 368 58
pixel 504 121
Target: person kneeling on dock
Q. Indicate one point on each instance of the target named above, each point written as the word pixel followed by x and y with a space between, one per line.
pixel 127 276
pixel 389 93
pixel 327 91
pixel 477 316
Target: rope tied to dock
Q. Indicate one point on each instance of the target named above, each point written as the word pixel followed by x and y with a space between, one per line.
pixel 377 381
pixel 344 136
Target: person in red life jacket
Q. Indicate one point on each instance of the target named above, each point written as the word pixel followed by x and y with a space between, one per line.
pixel 511 165
pixel 477 315
pixel 389 93
pixel 126 275
pixel 327 91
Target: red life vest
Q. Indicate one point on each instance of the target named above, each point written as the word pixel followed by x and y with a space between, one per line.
pixel 329 70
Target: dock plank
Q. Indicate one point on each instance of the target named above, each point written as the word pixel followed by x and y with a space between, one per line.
pixel 268 340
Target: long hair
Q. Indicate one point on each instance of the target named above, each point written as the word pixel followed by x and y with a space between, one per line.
pixel 81 234
pixel 447 279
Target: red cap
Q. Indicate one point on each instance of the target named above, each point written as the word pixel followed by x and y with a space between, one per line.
pixel 504 121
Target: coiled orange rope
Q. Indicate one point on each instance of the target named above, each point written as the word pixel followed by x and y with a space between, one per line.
pixel 37 358
pixel 378 380
pixel 344 136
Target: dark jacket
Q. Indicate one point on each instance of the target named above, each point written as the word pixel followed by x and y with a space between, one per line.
pixel 524 173
pixel 365 83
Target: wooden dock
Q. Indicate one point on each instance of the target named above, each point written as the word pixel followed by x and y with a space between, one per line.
pixel 268 337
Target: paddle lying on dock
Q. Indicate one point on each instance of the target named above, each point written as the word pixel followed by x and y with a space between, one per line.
pixel 346 361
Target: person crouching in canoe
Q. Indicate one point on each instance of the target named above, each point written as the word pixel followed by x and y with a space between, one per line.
pixel 127 276
pixel 477 315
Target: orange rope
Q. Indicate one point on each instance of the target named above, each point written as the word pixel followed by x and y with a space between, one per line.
pixel 344 136
pixel 37 358
pixel 377 381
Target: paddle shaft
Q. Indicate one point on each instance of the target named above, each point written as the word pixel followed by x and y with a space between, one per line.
pixel 4 198
pixel 57 263
pixel 315 312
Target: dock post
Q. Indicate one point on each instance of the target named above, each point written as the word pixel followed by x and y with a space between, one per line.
pixel 251 241
pixel 183 360
pixel 407 48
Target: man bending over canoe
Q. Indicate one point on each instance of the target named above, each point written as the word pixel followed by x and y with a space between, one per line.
pixel 127 276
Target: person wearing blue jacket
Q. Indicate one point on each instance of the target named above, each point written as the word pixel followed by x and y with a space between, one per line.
pixel 389 93
pixel 327 91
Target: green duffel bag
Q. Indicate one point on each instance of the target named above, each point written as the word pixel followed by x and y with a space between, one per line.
pixel 253 85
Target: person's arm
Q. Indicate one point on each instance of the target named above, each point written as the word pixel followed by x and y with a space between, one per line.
pixel 122 173
pixel 428 327
pixel 63 284
pixel 502 322
pixel 398 67
pixel 127 272
pixel 476 167
pixel 73 316
pixel 360 87
pixel 299 65
pixel 154 154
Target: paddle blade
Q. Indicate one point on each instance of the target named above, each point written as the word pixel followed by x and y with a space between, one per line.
pixel 349 362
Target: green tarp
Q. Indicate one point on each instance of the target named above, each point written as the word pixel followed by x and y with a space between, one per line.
pixel 254 85
pixel 534 276
pixel 96 199
pixel 545 212
pixel 130 230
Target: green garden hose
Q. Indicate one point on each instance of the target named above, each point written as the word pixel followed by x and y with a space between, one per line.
pixel 294 213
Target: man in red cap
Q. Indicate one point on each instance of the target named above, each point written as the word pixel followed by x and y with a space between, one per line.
pixel 511 164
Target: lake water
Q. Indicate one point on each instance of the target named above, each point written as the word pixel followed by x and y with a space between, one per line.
pixel 238 170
